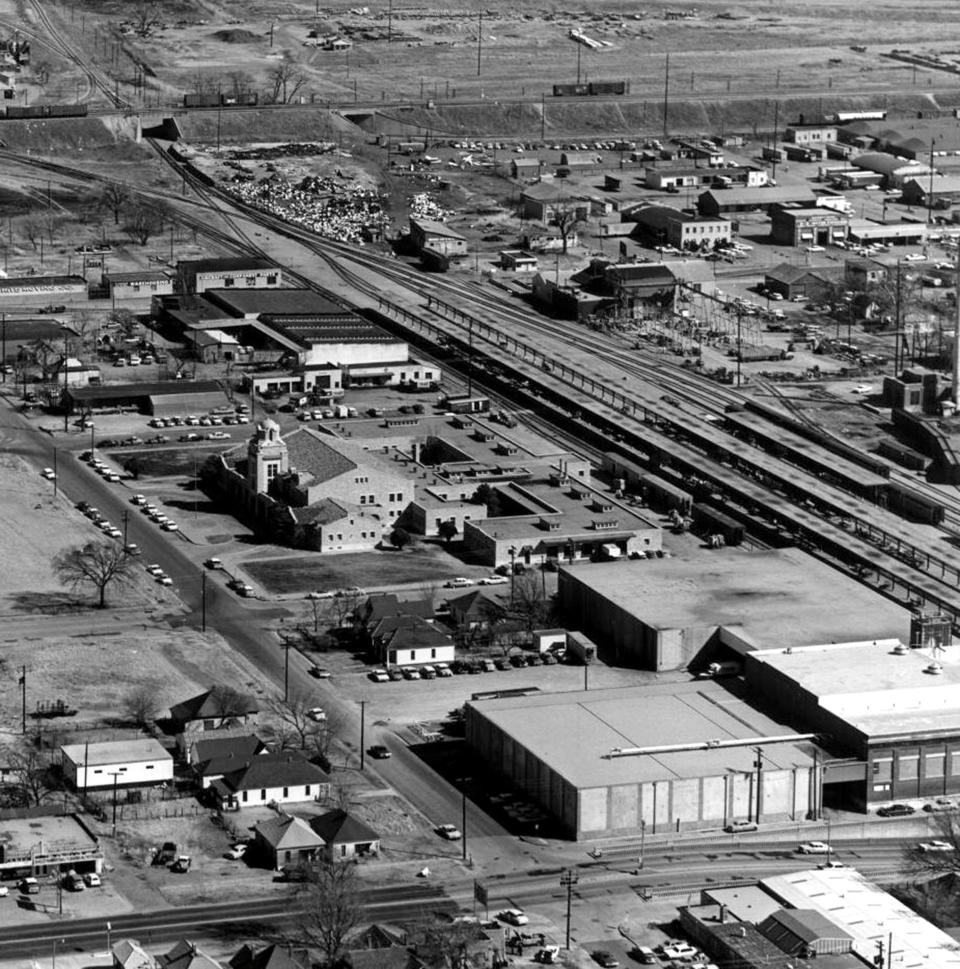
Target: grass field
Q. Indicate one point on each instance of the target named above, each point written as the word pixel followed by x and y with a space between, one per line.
pixel 426 564
pixel 169 462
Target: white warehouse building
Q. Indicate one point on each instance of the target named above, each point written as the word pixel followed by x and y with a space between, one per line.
pixel 128 763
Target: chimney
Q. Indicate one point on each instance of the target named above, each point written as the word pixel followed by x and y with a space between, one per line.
pixel 723 914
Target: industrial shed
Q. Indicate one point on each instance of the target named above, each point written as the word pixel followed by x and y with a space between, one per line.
pixel 677 613
pixel 160 398
pixel 670 757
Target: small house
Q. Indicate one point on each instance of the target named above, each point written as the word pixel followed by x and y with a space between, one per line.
pixel 128 954
pixel 518 261
pixel 282 778
pixel 428 234
pixel 344 836
pixel 211 757
pixel 187 955
pixel 220 708
pixel 286 840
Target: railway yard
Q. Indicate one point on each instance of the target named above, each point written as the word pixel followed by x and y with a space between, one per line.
pixel 261 265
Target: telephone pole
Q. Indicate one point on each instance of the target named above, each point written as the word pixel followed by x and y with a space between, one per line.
pixel 568 879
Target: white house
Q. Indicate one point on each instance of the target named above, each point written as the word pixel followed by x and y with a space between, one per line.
pixel 126 763
pixel 282 778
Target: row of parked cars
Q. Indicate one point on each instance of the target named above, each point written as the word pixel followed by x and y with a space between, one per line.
pixel 154 514
pixel 209 420
pixel 461 666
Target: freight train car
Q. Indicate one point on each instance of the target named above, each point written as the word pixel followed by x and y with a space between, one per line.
pixel 910 504
pixel 593 89
pixel 709 521
pixel 905 456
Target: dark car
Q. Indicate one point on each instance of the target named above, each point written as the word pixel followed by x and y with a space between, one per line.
pixel 502 664
pixel 379 752
pixel 518 660
pixel 896 811
pixel 604 959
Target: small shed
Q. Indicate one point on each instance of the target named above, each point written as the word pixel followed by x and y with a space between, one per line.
pixel 518 261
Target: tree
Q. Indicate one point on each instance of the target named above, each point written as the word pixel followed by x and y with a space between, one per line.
pixel 28 783
pixel 100 564
pixel 287 81
pixel 486 495
pixel 141 705
pixel 529 604
pixel 567 221
pixel 927 863
pixel 297 727
pixel 146 16
pixel 330 906
pixel 143 222
pixel 31 228
pixel 400 538
pixel 448 530
pixel 205 83
pixel 113 198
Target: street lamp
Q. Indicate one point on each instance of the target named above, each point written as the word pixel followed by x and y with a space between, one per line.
pixel 643 832
pixel 512 551
pixel 54 960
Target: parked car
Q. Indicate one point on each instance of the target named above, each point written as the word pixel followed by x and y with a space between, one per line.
pixel 29 886
pixel 319 673
pixel 896 811
pixel 460 582
pixel 443 670
pixel 182 864
pixel 378 676
pixel 395 674
pixel 92 879
pixel 316 714
pixel 379 752
pixel 738 827
pixel 935 846
pixel 513 916
pixel 939 805
pixel 604 959
pixel 213 564
pixel 452 833
pixel 411 673
pixel 814 848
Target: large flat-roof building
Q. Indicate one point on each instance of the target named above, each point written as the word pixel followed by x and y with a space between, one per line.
pixel 39 842
pixel 241 272
pixel 667 614
pixel 603 762
pixel 894 711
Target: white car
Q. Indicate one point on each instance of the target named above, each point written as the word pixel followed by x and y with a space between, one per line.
pixel 236 852
pixel 114 532
pixel 814 249
pixel 913 257
pixel 138 500
pixel 317 714
pixel 459 583
pixel 4 891
pixel 494 580
pixel 814 848
pixel 931 846
pixel 449 831
pixel 164 580
pixel 863 389
pixel 513 916
pixel 169 526
pixel 92 879
pixel 49 474
pixel 379 676
pixel 155 569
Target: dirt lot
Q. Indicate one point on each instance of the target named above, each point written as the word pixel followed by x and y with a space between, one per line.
pixel 83 670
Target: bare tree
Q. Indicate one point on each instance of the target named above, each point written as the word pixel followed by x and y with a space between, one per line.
pixel 143 222
pixel 53 222
pixel 205 83
pixel 141 705
pixel 528 601
pixel 296 724
pixel 922 861
pixel 114 197
pixel 28 785
pixel 441 943
pixel 100 564
pixel 31 228
pixel 567 220
pixel 41 72
pixel 146 16
pixel 330 906
pixel 240 83
pixel 287 80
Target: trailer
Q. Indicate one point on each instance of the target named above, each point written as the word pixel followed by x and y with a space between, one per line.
pixel 581 648
pixel 711 522
pixel 910 504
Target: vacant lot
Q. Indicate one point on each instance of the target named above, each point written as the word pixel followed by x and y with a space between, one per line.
pixel 427 564
pixel 83 671
pixel 167 462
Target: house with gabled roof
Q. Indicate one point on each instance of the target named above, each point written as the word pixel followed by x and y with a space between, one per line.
pixel 128 954
pixel 187 955
pixel 286 840
pixel 212 757
pixel 409 641
pixel 281 778
pixel 270 957
pixel 344 836
pixel 220 709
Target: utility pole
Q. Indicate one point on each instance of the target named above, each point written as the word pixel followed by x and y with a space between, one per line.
pixel 389 21
pixel 203 602
pixel 568 879
pixel 758 763
pixel 579 47
pixel 933 141
pixel 23 699
pixel 739 343
pixel 55 470
pixel 363 726
pixel 463 823
pixel 776 133
pixel 479 40
pixel 286 668
pixel 126 522
pixel 666 96
pixel 114 775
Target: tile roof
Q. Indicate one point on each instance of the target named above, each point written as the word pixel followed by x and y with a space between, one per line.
pixel 324 512
pixel 337 828
pixel 311 455
pixel 285 769
pixel 218 701
pixel 287 832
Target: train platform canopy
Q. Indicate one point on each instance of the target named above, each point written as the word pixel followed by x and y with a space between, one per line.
pixel 173 397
